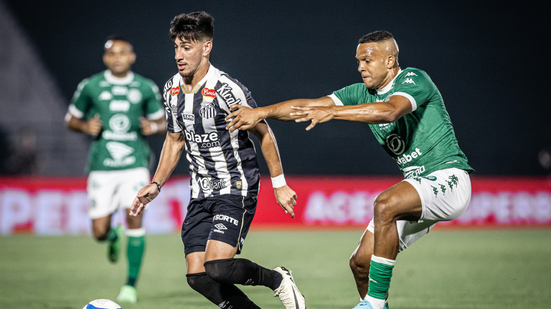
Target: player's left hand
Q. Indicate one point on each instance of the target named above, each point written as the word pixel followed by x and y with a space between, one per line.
pixel 145 125
pixel 286 198
pixel 317 114
pixel 144 196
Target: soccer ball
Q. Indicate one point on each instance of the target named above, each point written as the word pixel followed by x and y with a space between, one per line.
pixel 102 304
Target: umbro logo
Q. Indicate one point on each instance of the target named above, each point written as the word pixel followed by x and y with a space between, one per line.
pixel 220 227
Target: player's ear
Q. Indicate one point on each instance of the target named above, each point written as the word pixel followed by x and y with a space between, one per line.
pixel 390 61
pixel 132 58
pixel 207 47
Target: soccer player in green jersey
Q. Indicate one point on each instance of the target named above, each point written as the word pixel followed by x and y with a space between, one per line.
pixel 117 108
pixel 406 113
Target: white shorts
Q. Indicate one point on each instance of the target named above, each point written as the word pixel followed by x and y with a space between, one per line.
pixel 445 195
pixel 111 190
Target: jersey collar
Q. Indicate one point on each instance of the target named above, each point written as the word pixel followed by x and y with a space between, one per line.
pixel 200 84
pixel 112 79
pixel 387 88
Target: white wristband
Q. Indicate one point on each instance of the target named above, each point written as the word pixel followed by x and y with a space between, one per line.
pixel 154 127
pixel 278 181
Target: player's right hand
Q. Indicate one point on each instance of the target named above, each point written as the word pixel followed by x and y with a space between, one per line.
pixel 242 118
pixel 144 196
pixel 93 126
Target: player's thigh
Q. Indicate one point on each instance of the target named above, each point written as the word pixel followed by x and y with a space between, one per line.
pixel 217 250
pixel 445 194
pixel 130 182
pixel 100 226
pixel 196 227
pixel 232 218
pixel 101 190
pixel 195 262
pixel 399 202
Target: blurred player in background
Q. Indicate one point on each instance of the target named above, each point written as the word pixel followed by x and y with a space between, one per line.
pixel 117 108
pixel 406 113
pixel 224 171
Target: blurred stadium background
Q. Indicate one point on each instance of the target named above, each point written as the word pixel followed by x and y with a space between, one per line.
pixel 488 60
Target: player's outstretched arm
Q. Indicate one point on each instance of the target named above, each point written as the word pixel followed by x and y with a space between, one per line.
pixel 285 196
pixel 245 118
pixel 170 155
pixel 381 112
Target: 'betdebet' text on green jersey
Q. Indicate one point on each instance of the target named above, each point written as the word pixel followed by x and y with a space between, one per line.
pixel 422 141
pixel 120 102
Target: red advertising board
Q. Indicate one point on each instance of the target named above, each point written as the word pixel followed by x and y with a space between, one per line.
pixel 59 205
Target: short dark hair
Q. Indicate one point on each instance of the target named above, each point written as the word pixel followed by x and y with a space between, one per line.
pixel 376 36
pixel 196 26
pixel 117 37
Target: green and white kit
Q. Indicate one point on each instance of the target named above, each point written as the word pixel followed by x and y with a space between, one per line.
pixel 420 142
pixel 120 102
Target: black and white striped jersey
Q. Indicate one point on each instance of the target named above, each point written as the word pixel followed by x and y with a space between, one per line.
pixel 220 162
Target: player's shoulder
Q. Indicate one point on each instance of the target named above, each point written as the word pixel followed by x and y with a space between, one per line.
pixel 172 82
pixel 229 83
pixel 413 73
pixel 354 88
pixel 93 80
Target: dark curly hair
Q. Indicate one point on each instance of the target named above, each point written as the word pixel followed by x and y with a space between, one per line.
pixel 376 36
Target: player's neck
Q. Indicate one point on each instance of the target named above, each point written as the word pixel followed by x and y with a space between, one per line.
pixel 191 81
pixel 390 77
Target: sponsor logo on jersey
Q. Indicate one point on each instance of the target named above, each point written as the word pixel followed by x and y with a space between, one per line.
pixel 134 96
pixel 225 218
pixel 119 90
pixel 207 110
pixel 414 171
pixel 119 125
pixel 174 90
pixel 104 83
pixel 120 155
pixel 209 184
pixel 406 158
pixel 385 126
pixel 408 81
pixel 207 140
pixel 119 106
pixel 211 93
pixel 226 93
pixel 105 95
pixel 395 144
pixel 188 117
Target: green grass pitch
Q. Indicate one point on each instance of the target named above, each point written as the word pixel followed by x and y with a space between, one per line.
pixel 445 269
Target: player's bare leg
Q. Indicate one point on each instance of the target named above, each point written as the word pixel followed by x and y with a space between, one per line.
pixel 400 202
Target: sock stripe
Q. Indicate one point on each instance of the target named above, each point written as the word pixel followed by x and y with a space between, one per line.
pixel 135 232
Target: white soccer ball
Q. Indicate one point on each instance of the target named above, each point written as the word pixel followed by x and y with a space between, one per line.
pixel 102 304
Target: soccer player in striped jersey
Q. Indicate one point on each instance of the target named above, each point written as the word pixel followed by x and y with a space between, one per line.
pixel 406 113
pixel 118 108
pixel 224 172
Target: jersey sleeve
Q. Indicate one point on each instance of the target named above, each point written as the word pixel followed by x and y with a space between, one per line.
pixel 416 86
pixel 80 103
pixel 349 95
pixel 153 107
pixel 170 114
pixel 232 92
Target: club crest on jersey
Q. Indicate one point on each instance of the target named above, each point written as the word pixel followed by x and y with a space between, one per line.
pixel 226 93
pixel 207 110
pixel 174 90
pixel 208 93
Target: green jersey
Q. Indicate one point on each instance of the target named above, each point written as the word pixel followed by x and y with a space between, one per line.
pixel 422 141
pixel 120 102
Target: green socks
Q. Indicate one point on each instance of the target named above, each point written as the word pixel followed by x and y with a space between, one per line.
pixel 380 273
pixel 135 252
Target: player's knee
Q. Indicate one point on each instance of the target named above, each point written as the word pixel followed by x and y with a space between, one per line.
pixel 100 233
pixel 220 270
pixel 198 282
pixel 383 208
